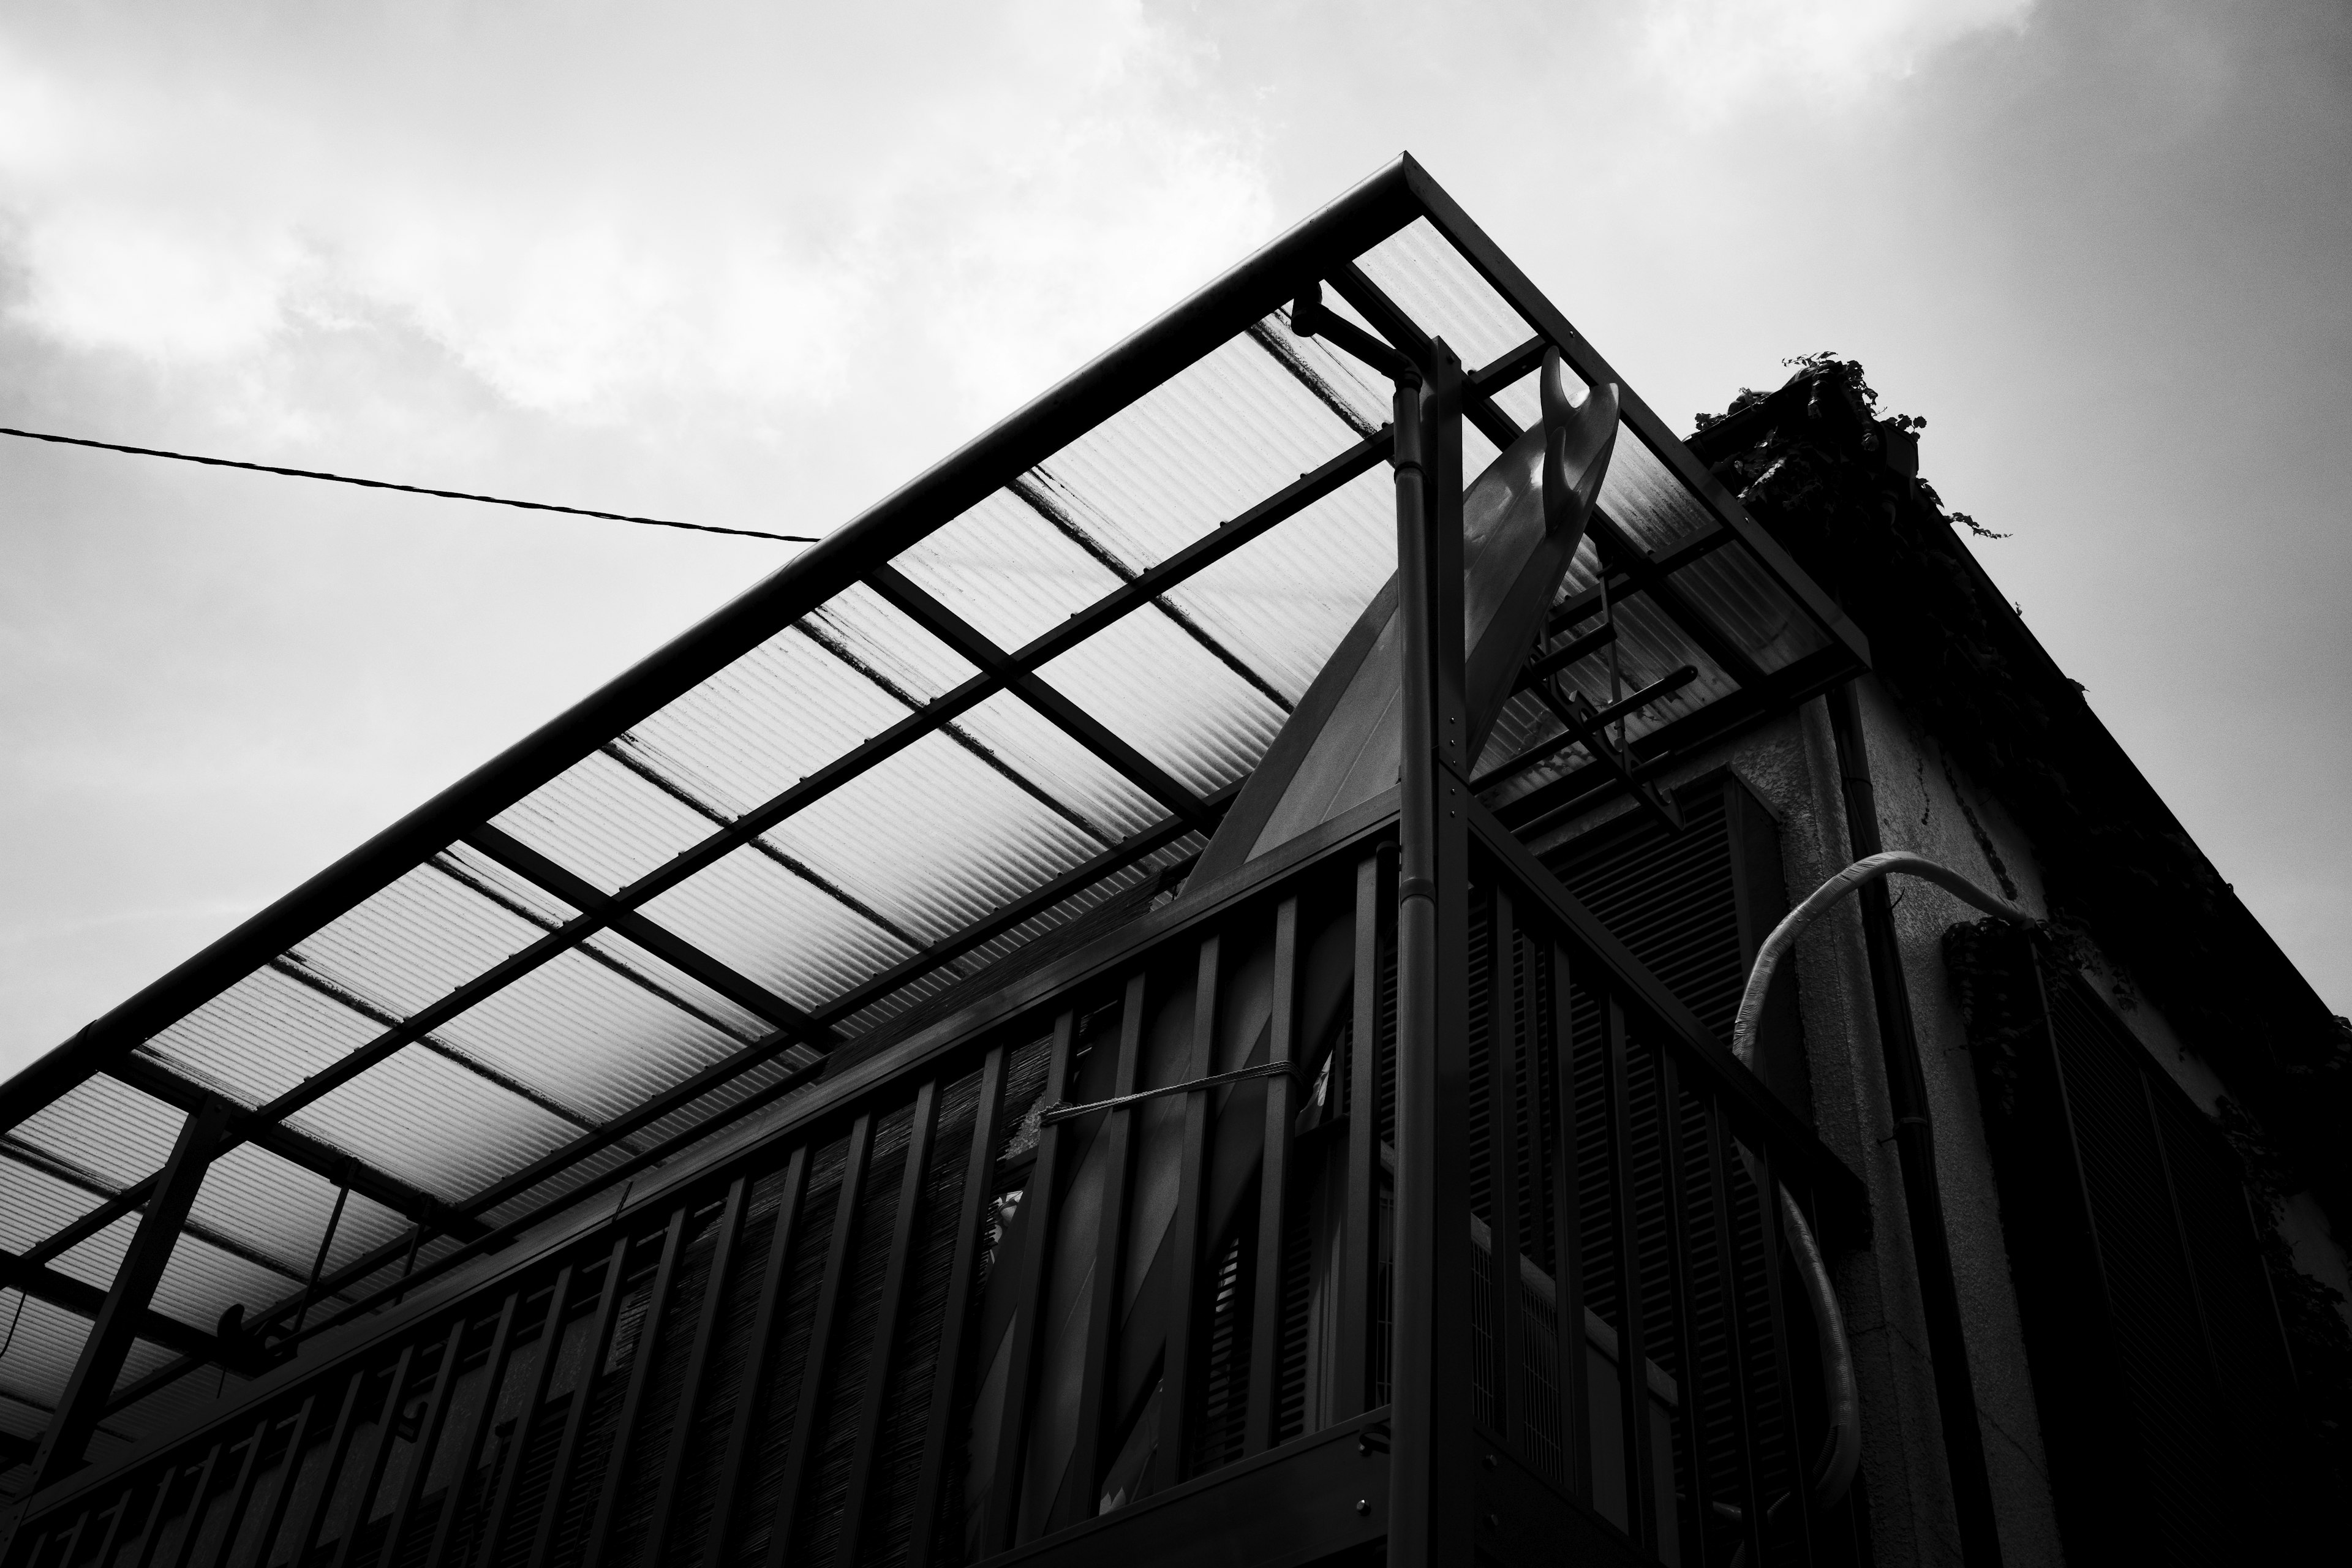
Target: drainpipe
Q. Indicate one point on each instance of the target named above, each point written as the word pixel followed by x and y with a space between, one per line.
pixel 1915 1145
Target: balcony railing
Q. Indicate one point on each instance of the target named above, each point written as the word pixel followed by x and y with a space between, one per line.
pixel 937 1314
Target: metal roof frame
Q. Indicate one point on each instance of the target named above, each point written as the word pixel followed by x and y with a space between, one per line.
pixel 1324 248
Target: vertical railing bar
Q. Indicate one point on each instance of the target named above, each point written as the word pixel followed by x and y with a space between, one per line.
pixel 1503 1165
pixel 642 1357
pixel 1273 1189
pixel 1632 1349
pixel 1680 1272
pixel 1040 1202
pixel 698 1369
pixel 1360 1242
pixel 292 1472
pixel 897 1276
pixel 1568 1239
pixel 72 1540
pixel 502 1502
pixel 1768 1188
pixel 1100 1370
pixel 1178 1407
pixel 1743 1405
pixel 428 1437
pixel 494 1372
pixel 955 1328
pixel 379 1455
pixel 816 1381
pixel 338 1451
pixel 186 1547
pixel 575 1418
pixel 248 1474
pixel 137 1554
pixel 750 1404
pixel 114 1528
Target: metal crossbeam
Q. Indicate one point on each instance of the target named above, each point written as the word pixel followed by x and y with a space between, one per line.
pixel 1072 720
pixel 532 867
pixel 124 1312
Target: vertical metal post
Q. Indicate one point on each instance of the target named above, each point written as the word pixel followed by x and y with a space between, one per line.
pixel 526 1428
pixel 1504 1226
pixel 1432 1502
pixel 1568 1239
pixel 955 1325
pixel 494 1375
pixel 1177 1407
pixel 102 1354
pixel 1915 1145
pixel 824 1333
pixel 1274 1191
pixel 1360 1242
pixel 1097 1409
pixel 883 1359
pixel 1633 1339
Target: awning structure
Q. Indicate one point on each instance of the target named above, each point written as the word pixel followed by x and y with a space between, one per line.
pixel 1016 691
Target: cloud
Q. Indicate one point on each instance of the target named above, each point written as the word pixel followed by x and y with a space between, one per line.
pixel 1721 57
pixel 594 211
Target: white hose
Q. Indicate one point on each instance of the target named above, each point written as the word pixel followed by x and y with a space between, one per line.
pixel 1843 1453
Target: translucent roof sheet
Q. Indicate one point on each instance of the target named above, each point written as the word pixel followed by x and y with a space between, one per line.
pixel 1025 683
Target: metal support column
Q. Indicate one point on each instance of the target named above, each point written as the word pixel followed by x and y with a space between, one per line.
pixel 1915 1145
pixel 1432 1506
pixel 103 1353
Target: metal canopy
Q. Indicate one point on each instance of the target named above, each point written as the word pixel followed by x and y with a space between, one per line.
pixel 1020 688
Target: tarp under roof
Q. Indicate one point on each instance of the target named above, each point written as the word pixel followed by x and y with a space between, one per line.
pixel 1023 685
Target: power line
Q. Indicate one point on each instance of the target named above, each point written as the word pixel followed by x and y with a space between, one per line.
pixel 410 489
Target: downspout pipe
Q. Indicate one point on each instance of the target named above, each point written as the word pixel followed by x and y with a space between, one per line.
pixel 1915 1144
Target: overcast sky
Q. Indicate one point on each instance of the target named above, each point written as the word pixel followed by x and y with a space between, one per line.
pixel 755 265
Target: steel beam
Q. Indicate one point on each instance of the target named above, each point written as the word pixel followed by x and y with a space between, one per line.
pixel 125 1310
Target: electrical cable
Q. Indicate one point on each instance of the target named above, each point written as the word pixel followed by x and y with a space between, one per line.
pixel 1842 1453
pixel 409 490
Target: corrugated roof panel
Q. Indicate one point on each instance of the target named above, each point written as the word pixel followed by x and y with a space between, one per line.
pixel 1364 396
pixel 1283 600
pixel 107 1127
pixel 1418 268
pixel 202 1281
pixel 933 838
pixel 1731 587
pixel 1043 755
pixel 416 941
pixel 433 1124
pixel 1170 698
pixel 1647 501
pixel 762 920
pixel 1198 450
pixel 1002 567
pixel 603 822
pixel 262 1037
pixel 674 987
pixel 769 720
pixel 587 1037
pixel 281 1209
pixel 860 625
pixel 35 1204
